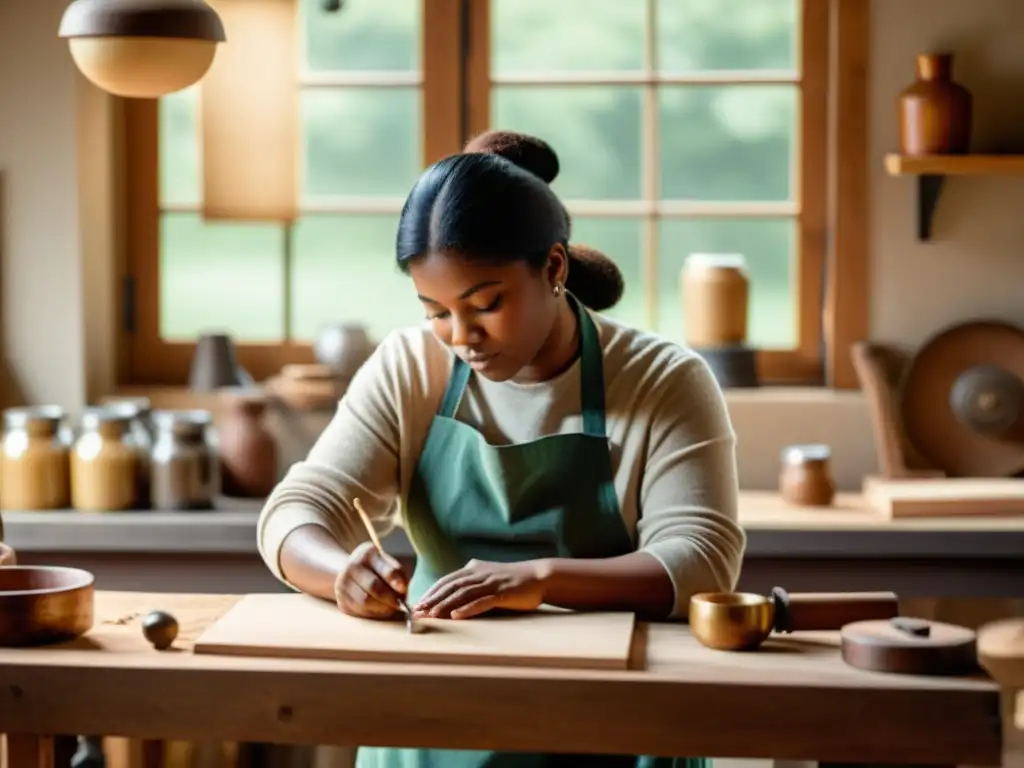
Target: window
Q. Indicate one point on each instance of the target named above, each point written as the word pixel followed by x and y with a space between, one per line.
pixel 682 126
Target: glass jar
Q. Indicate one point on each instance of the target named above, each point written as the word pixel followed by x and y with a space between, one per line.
pixel 104 463
pixel 34 470
pixel 715 298
pixel 182 464
pixel 806 477
pixel 140 437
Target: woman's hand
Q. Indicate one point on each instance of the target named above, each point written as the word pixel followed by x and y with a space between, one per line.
pixel 7 556
pixel 370 584
pixel 483 586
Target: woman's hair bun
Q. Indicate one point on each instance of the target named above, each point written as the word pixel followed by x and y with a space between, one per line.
pixel 528 152
pixel 595 279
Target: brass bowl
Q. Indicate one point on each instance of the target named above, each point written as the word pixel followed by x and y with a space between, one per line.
pixel 731 621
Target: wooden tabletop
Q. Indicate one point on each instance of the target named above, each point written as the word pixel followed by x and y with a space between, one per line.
pixel 793 699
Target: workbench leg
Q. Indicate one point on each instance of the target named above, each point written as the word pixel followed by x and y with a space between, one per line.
pixel 27 751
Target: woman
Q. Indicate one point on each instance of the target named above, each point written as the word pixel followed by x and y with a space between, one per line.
pixel 534 451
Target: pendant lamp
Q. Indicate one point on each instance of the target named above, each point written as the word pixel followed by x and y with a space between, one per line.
pixel 142 48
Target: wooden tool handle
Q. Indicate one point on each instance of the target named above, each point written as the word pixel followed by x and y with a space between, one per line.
pixel 368 524
pixel 830 610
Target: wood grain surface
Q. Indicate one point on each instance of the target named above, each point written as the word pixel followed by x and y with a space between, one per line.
pixel 298 626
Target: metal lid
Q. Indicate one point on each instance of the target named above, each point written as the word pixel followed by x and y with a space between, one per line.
pixel 716 261
pixel 800 454
pixel 102 414
pixel 181 19
pixel 18 418
pixel 127 408
pixel 170 418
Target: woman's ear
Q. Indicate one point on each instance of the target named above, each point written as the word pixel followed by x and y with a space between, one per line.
pixel 558 265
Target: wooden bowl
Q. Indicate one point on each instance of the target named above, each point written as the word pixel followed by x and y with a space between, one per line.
pixel 42 604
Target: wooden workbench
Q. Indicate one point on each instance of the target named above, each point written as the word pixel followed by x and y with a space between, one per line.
pixel 793 699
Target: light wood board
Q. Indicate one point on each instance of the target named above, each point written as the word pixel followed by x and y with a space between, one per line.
pixel 299 626
pixel 945 497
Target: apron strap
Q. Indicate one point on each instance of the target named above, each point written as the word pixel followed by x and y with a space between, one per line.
pixel 456 386
pixel 591 377
pixel 591 373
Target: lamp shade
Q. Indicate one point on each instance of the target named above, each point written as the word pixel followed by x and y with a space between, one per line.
pixel 142 48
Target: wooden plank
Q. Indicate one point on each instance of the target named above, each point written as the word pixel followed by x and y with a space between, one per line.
pixel 954 165
pixel 945 497
pixel 767 511
pixel 299 626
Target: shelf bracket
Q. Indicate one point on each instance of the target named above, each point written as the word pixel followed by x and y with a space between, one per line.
pixel 929 190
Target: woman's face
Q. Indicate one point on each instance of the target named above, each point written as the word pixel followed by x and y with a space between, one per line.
pixel 496 317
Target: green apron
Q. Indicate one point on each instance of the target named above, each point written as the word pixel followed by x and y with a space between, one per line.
pixel 550 497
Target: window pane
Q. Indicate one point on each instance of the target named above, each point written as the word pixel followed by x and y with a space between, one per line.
pixel 727 143
pixel 767 245
pixel 179 148
pixel 594 129
pixel 619 240
pixel 220 277
pixel 363 36
pixel 544 35
pixel 344 270
pixel 361 141
pixel 698 35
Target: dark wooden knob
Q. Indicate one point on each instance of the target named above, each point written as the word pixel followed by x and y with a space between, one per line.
pixel 160 629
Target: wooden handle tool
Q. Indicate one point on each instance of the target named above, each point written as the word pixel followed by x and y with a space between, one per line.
pixel 801 612
pixel 410 623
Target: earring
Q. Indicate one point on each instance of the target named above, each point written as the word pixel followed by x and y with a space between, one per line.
pixel 558 289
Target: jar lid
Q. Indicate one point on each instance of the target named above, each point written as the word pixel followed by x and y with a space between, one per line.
pixel 137 406
pixel 102 414
pixel 168 418
pixel 799 454
pixel 19 417
pixel 719 260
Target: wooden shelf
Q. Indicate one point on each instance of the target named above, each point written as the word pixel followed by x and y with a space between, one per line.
pixel 931 172
pixel 954 165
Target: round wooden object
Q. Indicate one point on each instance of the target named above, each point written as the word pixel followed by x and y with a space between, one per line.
pixel 882 646
pixel 44 604
pixel 929 420
pixel 1001 651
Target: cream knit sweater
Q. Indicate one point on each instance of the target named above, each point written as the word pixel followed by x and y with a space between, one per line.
pixel 671 442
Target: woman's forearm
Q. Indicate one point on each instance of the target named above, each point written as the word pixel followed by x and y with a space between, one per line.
pixel 311 560
pixel 635 582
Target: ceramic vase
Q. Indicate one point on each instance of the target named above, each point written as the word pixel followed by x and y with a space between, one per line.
pixel 935 111
pixel 247 449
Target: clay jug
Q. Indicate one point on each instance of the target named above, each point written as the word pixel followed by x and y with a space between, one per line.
pixel 935 111
pixel 247 450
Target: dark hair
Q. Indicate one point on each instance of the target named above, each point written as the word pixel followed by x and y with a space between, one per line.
pixel 493 202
